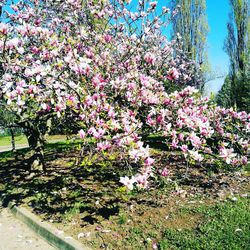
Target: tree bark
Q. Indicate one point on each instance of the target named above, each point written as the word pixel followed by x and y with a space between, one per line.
pixel 36 143
pixel 13 144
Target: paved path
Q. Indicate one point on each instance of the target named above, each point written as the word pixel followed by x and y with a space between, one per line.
pixel 9 148
pixel 14 235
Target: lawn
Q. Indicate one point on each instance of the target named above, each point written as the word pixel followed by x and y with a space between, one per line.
pixel 21 139
pixel 223 225
pixel 6 140
pixel 209 209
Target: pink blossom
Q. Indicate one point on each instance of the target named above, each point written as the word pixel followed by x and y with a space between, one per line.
pixel 71 98
pixel 141 181
pixel 111 113
pixel 103 145
pixel 44 106
pixel 88 100
pixel 196 156
pixel 107 38
pixel 164 172
pixel 184 148
pixel 153 4
pixel 19 90
pixel 89 54
pixel 13 43
pixel 98 134
pixel 154 246
pixel 173 74
pixel 149 161
pixel 126 181
pixel 195 140
pixel 82 117
pixel 227 154
pixel 174 143
pixel 131 85
pixel 244 160
pixel 82 134
pixel 98 82
pixel 159 119
pixel 91 130
pixel 150 121
pixel 4 28
pixel 150 58
pixel 181 137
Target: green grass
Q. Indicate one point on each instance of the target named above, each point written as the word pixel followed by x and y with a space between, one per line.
pixel 225 225
pixel 21 139
pixel 61 146
pixel 6 140
pixel 221 226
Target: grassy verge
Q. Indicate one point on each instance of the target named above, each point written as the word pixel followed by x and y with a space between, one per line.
pixel 225 225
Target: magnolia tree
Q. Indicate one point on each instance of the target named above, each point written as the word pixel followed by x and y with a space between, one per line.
pixel 80 57
pixel 108 67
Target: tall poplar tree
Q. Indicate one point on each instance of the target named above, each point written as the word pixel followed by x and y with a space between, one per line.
pixel 237 41
pixel 191 24
pixel 237 46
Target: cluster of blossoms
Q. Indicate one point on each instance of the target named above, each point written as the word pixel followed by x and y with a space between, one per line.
pixel 197 127
pixel 108 66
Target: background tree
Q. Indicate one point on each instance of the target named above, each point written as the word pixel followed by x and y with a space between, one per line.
pixel 237 47
pixel 224 98
pixel 8 126
pixel 190 23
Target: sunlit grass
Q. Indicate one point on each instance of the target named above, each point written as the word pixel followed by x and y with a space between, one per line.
pixel 225 225
pixel 21 139
pixel 6 140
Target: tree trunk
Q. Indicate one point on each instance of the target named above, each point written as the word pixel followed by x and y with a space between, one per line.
pixel 36 143
pixel 13 140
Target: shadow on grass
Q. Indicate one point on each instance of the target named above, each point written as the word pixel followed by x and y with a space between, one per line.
pixel 63 188
pixel 92 191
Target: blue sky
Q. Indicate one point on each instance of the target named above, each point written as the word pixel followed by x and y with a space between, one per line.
pixel 217 12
